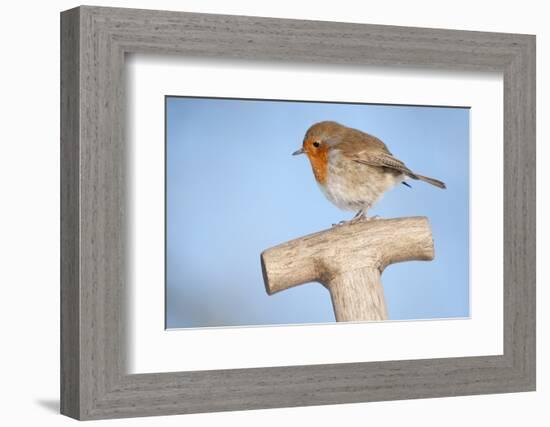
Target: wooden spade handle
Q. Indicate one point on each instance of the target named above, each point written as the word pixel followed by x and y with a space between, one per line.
pixel 349 260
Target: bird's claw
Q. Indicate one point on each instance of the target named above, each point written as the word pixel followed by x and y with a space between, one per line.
pixel 356 220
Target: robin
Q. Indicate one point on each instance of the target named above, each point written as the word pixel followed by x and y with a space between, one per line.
pixel 354 169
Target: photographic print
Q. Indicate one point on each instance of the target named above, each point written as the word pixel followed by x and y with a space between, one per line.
pixel 206 268
pixel 287 212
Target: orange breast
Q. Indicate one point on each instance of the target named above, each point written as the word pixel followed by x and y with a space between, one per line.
pixel 319 164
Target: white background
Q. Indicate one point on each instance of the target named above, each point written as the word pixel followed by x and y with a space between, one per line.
pixel 29 215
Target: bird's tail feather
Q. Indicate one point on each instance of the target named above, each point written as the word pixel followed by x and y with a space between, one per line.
pixel 432 181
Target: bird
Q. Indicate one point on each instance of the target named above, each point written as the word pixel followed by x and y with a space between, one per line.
pixel 353 168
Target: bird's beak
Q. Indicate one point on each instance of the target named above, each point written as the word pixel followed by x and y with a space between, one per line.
pixel 297 152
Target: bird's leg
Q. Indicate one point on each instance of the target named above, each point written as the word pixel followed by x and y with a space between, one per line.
pixel 363 216
pixel 359 216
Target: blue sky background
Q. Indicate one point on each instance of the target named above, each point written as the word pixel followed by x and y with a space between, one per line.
pixel 233 190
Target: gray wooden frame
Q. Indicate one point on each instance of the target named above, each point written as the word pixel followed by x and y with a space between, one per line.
pixel 94 382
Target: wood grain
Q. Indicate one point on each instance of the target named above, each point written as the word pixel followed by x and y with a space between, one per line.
pixel 349 260
pixel 94 275
pixel 70 218
pixel 358 296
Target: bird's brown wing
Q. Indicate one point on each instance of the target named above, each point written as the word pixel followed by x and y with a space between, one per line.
pixel 384 160
pixel 373 152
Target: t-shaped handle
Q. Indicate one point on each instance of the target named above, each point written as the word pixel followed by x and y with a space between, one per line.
pixel 349 260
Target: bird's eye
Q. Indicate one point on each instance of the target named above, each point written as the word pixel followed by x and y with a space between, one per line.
pixel 316 144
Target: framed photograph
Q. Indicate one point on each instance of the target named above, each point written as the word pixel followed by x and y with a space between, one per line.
pixel 261 213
